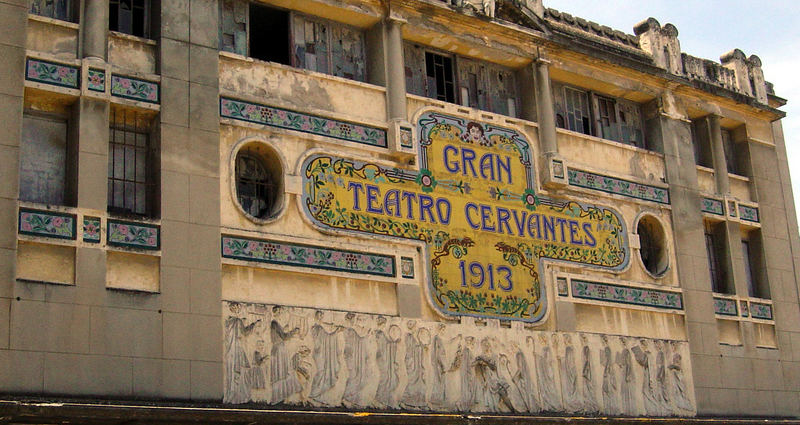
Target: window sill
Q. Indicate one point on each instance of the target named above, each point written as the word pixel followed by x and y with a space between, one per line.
pixel 611 142
pixel 738 177
pixel 704 169
pixel 134 38
pixel 492 117
pixel 54 21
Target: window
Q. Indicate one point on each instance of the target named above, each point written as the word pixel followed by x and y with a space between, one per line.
pixel 439 77
pixel 754 265
pixel 269 34
pixel 652 245
pixel 715 251
pixel 130 17
pixel 44 163
pixel 131 164
pixel 576 103
pixel 701 142
pixel 57 9
pixel 258 174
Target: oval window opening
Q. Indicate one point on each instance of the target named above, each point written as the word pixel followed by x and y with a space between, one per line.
pixel 653 246
pixel 258 182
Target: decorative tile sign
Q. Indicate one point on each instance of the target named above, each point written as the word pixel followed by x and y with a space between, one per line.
pixel 284 118
pixel 133 235
pixel 748 213
pixel 407 267
pixel 712 206
pixel 760 311
pixel 49 224
pixel 91 229
pixel 52 73
pixel 725 306
pixel 291 254
pixel 474 206
pixel 134 89
pixel 617 186
pixel 97 80
pixel 626 294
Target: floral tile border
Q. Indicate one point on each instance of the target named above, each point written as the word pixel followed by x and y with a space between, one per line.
pixel 748 213
pixel 57 74
pixel 306 123
pixel 712 206
pixel 725 306
pixel 407 267
pixel 134 89
pixel 48 224
pixel 760 311
pixel 91 229
pixel 133 235
pixel 96 80
pixel 626 295
pixel 291 254
pixel 617 186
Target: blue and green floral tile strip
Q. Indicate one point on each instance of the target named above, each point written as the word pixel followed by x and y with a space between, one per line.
pixel 725 307
pixel 47 224
pixel 617 186
pixel 712 206
pixel 97 80
pixel 133 235
pixel 626 295
pixel 291 120
pixel 748 213
pixel 91 229
pixel 52 73
pixel 760 311
pixel 290 254
pixel 134 89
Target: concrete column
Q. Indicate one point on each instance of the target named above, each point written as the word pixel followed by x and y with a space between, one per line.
pixel 718 155
pixel 544 108
pixel 92 120
pixel 95 29
pixel 395 70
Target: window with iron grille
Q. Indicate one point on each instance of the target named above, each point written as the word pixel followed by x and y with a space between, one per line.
pixel 131 160
pixel 56 9
pixel 130 17
pixel 255 185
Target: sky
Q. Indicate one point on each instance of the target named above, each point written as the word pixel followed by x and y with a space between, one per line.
pixel 769 29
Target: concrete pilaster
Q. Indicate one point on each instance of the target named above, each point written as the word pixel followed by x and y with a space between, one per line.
pixel 718 155
pixel 95 29
pixel 395 71
pixel 544 108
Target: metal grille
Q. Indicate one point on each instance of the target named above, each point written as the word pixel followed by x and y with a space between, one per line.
pixel 129 164
pixel 255 187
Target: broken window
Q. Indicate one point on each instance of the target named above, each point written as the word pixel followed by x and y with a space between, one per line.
pixel 701 142
pixel 44 159
pixel 328 47
pixel 715 237
pixel 732 156
pixel 56 9
pixel 754 266
pixel 131 164
pixel 130 17
pixel 233 26
pixel 269 34
pixel 577 114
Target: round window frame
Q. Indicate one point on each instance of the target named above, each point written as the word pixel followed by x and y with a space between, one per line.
pixel 665 246
pixel 279 205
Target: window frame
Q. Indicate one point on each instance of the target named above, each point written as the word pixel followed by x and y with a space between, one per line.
pixel 146 18
pixel 70 11
pixel 149 184
pixel 716 252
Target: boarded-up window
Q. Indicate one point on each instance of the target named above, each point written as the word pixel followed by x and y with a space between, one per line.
pixel 328 47
pixel 414 57
pixel 43 160
pixel 630 123
pixel 57 9
pixel 233 26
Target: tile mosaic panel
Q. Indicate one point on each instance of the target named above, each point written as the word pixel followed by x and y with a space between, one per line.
pixel 133 235
pixel 91 229
pixel 52 73
pixel 558 169
pixel 96 80
pixel 406 138
pixel 743 307
pixel 626 295
pixel 291 254
pixel 561 286
pixel 48 224
pixel 748 213
pixel 134 89
pixel 712 206
pixel 283 118
pixel 725 306
pixel 617 186
pixel 407 267
pixel 760 311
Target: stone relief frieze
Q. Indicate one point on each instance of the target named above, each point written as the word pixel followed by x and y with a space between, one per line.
pixel 278 355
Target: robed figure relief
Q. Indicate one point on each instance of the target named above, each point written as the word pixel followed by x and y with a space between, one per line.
pixel 628 381
pixel 521 379
pixel 356 358
pixel 386 359
pixel 438 397
pixel 642 355
pixel 551 401
pixel 662 392
pixel 326 359
pixel 610 390
pixel 284 380
pixel 677 384
pixel 237 366
pixel 466 375
pixel 416 343
pixel 492 390
pixel 588 389
pixel 569 376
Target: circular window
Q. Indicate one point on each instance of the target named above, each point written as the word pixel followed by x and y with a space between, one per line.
pixel 258 179
pixel 653 245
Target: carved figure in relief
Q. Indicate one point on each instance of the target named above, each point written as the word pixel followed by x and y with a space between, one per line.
pixel 569 375
pixel 302 368
pixel 678 386
pixel 284 382
pixel 237 366
pixel 386 359
pixel 356 358
pixel 438 360
pixel 628 381
pixel 588 390
pixel 662 392
pixel 416 344
pixel 642 356
pixel 551 402
pixel 610 399
pixel 257 379
pixel 522 378
pixel 463 363
pixel 492 389
pixel 326 359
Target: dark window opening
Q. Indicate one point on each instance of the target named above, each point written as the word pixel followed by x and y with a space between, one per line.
pixel 269 34
pixel 715 251
pixel 754 265
pixel 56 9
pixel 131 180
pixel 701 142
pixel 256 187
pixel 129 17
pixel 439 72
pixel 652 246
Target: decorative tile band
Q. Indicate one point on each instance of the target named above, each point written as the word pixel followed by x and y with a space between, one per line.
pixel 617 186
pixel 744 308
pixel 283 118
pixel 96 80
pixel 52 73
pixel 290 254
pixel 725 307
pixel 133 235
pixel 48 224
pixel 134 89
pixel 91 229
pixel 748 213
pixel 626 295
pixel 712 206
pixel 760 311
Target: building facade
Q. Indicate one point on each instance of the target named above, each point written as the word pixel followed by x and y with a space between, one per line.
pixel 399 206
